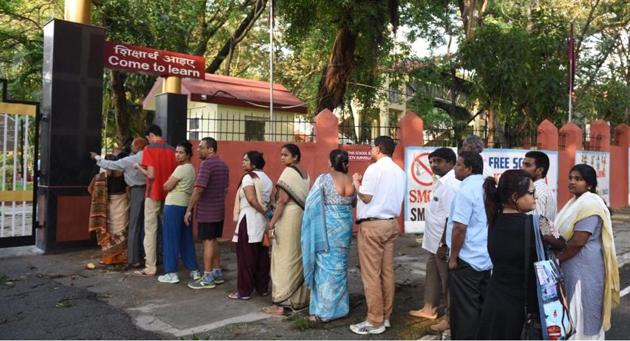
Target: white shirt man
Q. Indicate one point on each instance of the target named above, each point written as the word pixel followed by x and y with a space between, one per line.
pixel 445 187
pixel 388 180
pixel 545 200
pixel 444 190
pixel 381 191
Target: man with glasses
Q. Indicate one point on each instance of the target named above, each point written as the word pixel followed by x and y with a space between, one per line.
pixel 381 191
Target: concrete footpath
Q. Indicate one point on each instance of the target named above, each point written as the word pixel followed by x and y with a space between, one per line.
pixel 55 296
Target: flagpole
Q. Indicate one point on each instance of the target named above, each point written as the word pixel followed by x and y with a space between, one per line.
pixel 271 128
pixel 571 69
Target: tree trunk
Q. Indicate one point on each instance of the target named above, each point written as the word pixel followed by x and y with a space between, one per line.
pixel 120 104
pixel 238 35
pixel 333 84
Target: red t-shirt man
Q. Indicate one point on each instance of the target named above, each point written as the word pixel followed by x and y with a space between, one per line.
pixel 161 156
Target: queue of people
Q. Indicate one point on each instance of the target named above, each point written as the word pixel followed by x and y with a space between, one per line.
pixel 293 240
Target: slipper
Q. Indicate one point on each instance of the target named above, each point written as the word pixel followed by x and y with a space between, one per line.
pixel 142 273
pixel 237 296
pixel 273 310
pixel 315 319
pixel 421 314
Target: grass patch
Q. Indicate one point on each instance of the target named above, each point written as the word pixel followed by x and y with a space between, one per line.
pixel 303 323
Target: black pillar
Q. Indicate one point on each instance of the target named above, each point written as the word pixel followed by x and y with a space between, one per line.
pixel 70 128
pixel 170 115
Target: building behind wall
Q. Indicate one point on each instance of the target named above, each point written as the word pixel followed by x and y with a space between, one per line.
pixel 237 109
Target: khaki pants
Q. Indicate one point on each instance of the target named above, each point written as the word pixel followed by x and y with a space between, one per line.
pixel 376 255
pixel 435 281
pixel 151 216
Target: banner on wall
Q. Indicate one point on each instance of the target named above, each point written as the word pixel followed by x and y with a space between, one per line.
pixel 503 159
pixel 420 178
pixel 601 162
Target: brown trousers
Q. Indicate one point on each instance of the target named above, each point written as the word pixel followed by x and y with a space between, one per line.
pixel 435 281
pixel 252 261
pixel 376 256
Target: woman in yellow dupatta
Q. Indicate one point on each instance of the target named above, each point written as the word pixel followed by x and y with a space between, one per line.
pixel 589 261
pixel 287 273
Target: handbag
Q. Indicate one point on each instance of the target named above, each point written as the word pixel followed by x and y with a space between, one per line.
pixel 532 329
pixel 553 305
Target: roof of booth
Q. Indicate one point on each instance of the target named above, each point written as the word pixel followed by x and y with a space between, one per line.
pixel 231 91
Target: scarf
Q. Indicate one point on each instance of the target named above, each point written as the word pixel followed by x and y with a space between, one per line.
pixel 590 204
pixel 237 200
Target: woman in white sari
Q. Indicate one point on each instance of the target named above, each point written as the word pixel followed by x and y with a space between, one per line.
pixel 589 261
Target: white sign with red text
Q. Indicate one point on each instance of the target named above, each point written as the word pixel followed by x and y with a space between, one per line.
pixel 419 186
pixel 420 178
pixel 601 162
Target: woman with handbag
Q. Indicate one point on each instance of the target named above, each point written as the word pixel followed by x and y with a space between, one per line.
pixel 252 257
pixel 287 274
pixel 326 237
pixel 511 292
pixel 589 261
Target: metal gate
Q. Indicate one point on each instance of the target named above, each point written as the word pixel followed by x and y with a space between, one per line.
pixel 18 150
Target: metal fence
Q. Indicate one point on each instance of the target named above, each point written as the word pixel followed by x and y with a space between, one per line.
pixel 350 133
pixel 494 138
pixel 250 127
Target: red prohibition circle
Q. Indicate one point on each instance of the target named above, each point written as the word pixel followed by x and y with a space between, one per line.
pixel 417 162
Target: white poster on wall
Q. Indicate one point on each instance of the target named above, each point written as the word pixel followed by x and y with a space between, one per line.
pixel 420 178
pixel 419 185
pixel 601 162
pixel 503 159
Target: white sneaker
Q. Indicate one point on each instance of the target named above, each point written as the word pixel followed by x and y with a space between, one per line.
pixel 366 327
pixel 169 278
pixel 387 324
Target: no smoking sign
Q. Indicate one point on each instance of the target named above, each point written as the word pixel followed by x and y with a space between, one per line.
pixel 421 170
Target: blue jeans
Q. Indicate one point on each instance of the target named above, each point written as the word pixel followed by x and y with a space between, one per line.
pixel 178 240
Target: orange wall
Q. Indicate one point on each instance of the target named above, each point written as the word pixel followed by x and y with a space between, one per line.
pixel 618 177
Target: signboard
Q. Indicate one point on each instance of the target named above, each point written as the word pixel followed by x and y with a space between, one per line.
pixel 419 186
pixel 601 162
pixel 150 61
pixel 420 178
pixel 359 155
pixel 503 159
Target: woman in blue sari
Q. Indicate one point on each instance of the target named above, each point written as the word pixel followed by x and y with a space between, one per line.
pixel 326 236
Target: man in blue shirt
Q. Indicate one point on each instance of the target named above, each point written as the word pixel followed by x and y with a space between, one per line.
pixel 466 236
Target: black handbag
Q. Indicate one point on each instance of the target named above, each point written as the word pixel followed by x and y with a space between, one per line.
pixel 532 329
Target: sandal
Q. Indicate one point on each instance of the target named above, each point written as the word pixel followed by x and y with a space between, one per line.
pixel 143 273
pixel 315 318
pixel 273 310
pixel 236 296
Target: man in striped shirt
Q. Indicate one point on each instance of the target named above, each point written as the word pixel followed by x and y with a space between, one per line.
pixel 208 201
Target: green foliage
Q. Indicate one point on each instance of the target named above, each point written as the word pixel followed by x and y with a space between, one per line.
pixel 519 70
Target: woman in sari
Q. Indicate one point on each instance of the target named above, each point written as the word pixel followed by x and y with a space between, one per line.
pixel 589 261
pixel 252 257
pixel 326 237
pixel 287 274
pixel 109 217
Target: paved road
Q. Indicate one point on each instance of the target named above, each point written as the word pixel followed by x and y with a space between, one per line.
pixel 54 296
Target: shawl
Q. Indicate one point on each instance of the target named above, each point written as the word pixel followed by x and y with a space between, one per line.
pixel 98 208
pixel 314 237
pixel 590 204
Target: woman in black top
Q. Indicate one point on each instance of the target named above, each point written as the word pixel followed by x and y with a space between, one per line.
pixel 507 205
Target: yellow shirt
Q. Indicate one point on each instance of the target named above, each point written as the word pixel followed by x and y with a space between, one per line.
pixel 180 195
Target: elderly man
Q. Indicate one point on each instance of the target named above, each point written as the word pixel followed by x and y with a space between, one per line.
pixel 474 143
pixel 136 182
